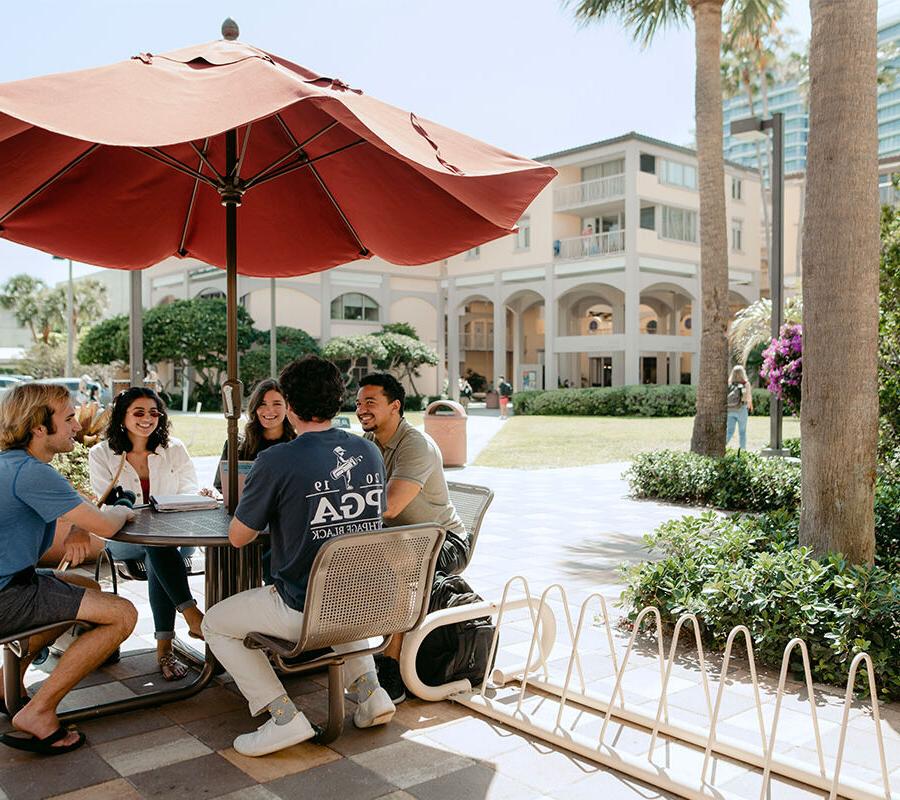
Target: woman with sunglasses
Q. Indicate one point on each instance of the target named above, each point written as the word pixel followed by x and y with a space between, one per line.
pixel 139 455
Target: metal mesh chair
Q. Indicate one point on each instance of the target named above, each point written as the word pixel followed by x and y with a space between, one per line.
pixel 15 648
pixel 471 503
pixel 361 585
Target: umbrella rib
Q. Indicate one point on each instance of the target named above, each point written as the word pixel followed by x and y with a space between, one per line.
pixel 240 161
pixel 363 250
pixel 298 147
pixel 174 163
pixel 49 182
pixel 190 210
pixel 204 159
pixel 305 163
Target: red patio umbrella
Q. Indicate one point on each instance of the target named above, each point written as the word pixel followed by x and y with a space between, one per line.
pixel 125 165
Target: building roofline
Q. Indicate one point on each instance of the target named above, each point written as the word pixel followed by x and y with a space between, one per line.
pixel 640 137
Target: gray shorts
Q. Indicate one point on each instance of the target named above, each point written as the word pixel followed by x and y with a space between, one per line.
pixel 37 599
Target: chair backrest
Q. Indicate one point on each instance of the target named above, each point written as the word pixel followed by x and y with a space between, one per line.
pixel 471 503
pixel 370 584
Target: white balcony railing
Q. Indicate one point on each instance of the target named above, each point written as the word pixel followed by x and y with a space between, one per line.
pixel 588 192
pixel 476 341
pixel 600 244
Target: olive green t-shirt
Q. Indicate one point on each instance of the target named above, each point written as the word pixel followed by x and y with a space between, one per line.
pixel 412 455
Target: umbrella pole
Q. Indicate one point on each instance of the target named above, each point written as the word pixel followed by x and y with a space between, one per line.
pixel 232 389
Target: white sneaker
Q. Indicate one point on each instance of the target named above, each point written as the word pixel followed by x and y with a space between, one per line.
pixel 377 710
pixel 269 737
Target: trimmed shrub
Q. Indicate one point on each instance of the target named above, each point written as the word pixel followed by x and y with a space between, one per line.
pixel 749 570
pixel 620 401
pixel 738 481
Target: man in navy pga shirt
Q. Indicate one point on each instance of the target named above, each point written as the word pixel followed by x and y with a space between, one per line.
pixel 324 483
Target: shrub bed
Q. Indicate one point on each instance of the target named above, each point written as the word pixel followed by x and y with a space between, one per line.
pixel 620 401
pixel 738 481
pixel 749 570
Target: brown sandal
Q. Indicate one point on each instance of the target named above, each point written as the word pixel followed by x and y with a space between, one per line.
pixel 171 668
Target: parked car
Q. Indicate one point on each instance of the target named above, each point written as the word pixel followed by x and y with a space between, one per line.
pixel 95 388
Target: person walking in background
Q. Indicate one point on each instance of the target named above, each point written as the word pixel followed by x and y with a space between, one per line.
pixel 465 393
pixel 740 404
pixel 139 455
pixel 505 390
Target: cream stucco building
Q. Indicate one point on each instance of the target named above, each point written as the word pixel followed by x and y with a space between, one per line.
pixel 600 285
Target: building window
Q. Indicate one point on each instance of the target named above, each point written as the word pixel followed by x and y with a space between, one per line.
pixel 678 223
pixel 211 294
pixel 737 186
pixel 523 235
pixel 677 174
pixel 737 236
pixel 648 163
pixel 605 170
pixel 354 305
pixel 472 254
pixel 648 218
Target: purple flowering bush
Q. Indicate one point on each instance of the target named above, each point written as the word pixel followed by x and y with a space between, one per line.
pixel 782 366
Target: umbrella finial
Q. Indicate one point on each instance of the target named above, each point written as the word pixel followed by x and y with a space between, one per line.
pixel 230 30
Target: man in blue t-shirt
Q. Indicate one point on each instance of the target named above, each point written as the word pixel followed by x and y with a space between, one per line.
pixel 323 484
pixel 37 421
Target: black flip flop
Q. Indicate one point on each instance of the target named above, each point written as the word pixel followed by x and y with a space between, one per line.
pixel 43 747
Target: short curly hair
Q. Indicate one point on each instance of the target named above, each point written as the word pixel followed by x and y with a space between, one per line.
pixel 115 430
pixel 313 388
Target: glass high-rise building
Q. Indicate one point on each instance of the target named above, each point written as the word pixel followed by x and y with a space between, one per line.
pixel 792 102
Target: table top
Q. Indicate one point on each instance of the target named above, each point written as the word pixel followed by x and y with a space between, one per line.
pixel 180 528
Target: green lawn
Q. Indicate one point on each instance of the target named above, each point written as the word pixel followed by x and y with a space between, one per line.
pixel 205 435
pixel 536 442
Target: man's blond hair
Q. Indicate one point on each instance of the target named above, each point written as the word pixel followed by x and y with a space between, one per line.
pixel 24 408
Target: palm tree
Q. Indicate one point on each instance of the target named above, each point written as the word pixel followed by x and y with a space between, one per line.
pixel 645 18
pixel 752 326
pixel 839 422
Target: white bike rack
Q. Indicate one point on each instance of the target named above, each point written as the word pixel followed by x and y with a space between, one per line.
pixel 534 673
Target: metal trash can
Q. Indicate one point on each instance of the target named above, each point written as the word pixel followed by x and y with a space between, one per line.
pixel 445 422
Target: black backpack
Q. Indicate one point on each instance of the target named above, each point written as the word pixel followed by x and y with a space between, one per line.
pixel 735 397
pixel 458 651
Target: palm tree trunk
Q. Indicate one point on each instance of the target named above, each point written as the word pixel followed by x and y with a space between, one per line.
pixel 839 421
pixel 709 424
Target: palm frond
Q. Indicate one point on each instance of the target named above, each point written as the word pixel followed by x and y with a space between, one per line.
pixel 642 17
pixel 752 325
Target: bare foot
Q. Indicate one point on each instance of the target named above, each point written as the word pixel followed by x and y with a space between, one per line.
pixel 194 618
pixel 41 725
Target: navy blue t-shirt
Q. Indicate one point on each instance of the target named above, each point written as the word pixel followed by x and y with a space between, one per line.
pixel 321 485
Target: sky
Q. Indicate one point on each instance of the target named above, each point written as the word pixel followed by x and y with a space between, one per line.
pixel 524 75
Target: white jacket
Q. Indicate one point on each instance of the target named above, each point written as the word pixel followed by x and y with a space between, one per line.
pixel 171 471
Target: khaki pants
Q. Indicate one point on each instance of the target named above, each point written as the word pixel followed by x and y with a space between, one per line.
pixel 263 611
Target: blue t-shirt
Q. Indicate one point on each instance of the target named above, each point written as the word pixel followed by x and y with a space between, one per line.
pixel 33 496
pixel 322 484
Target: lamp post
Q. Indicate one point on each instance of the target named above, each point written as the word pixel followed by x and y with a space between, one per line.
pixel 70 320
pixel 749 129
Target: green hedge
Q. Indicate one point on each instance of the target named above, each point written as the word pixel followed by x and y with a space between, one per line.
pixel 742 481
pixel 738 481
pixel 750 570
pixel 621 401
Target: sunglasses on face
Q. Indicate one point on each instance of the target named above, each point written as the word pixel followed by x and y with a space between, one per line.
pixel 153 412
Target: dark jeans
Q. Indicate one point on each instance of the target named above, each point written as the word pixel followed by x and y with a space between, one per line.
pixel 167 582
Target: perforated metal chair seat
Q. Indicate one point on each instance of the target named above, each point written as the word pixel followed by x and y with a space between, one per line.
pixel 361 586
pixel 471 503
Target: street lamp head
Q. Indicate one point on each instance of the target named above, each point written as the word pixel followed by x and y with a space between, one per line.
pixel 749 129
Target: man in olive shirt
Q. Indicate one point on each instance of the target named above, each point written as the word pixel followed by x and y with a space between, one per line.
pixel 416 489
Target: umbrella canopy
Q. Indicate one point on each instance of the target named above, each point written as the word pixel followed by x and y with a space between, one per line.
pixel 125 165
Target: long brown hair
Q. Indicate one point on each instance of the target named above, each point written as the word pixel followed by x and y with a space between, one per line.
pixel 254 433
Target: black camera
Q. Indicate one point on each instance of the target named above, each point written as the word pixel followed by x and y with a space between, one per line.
pixel 121 497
